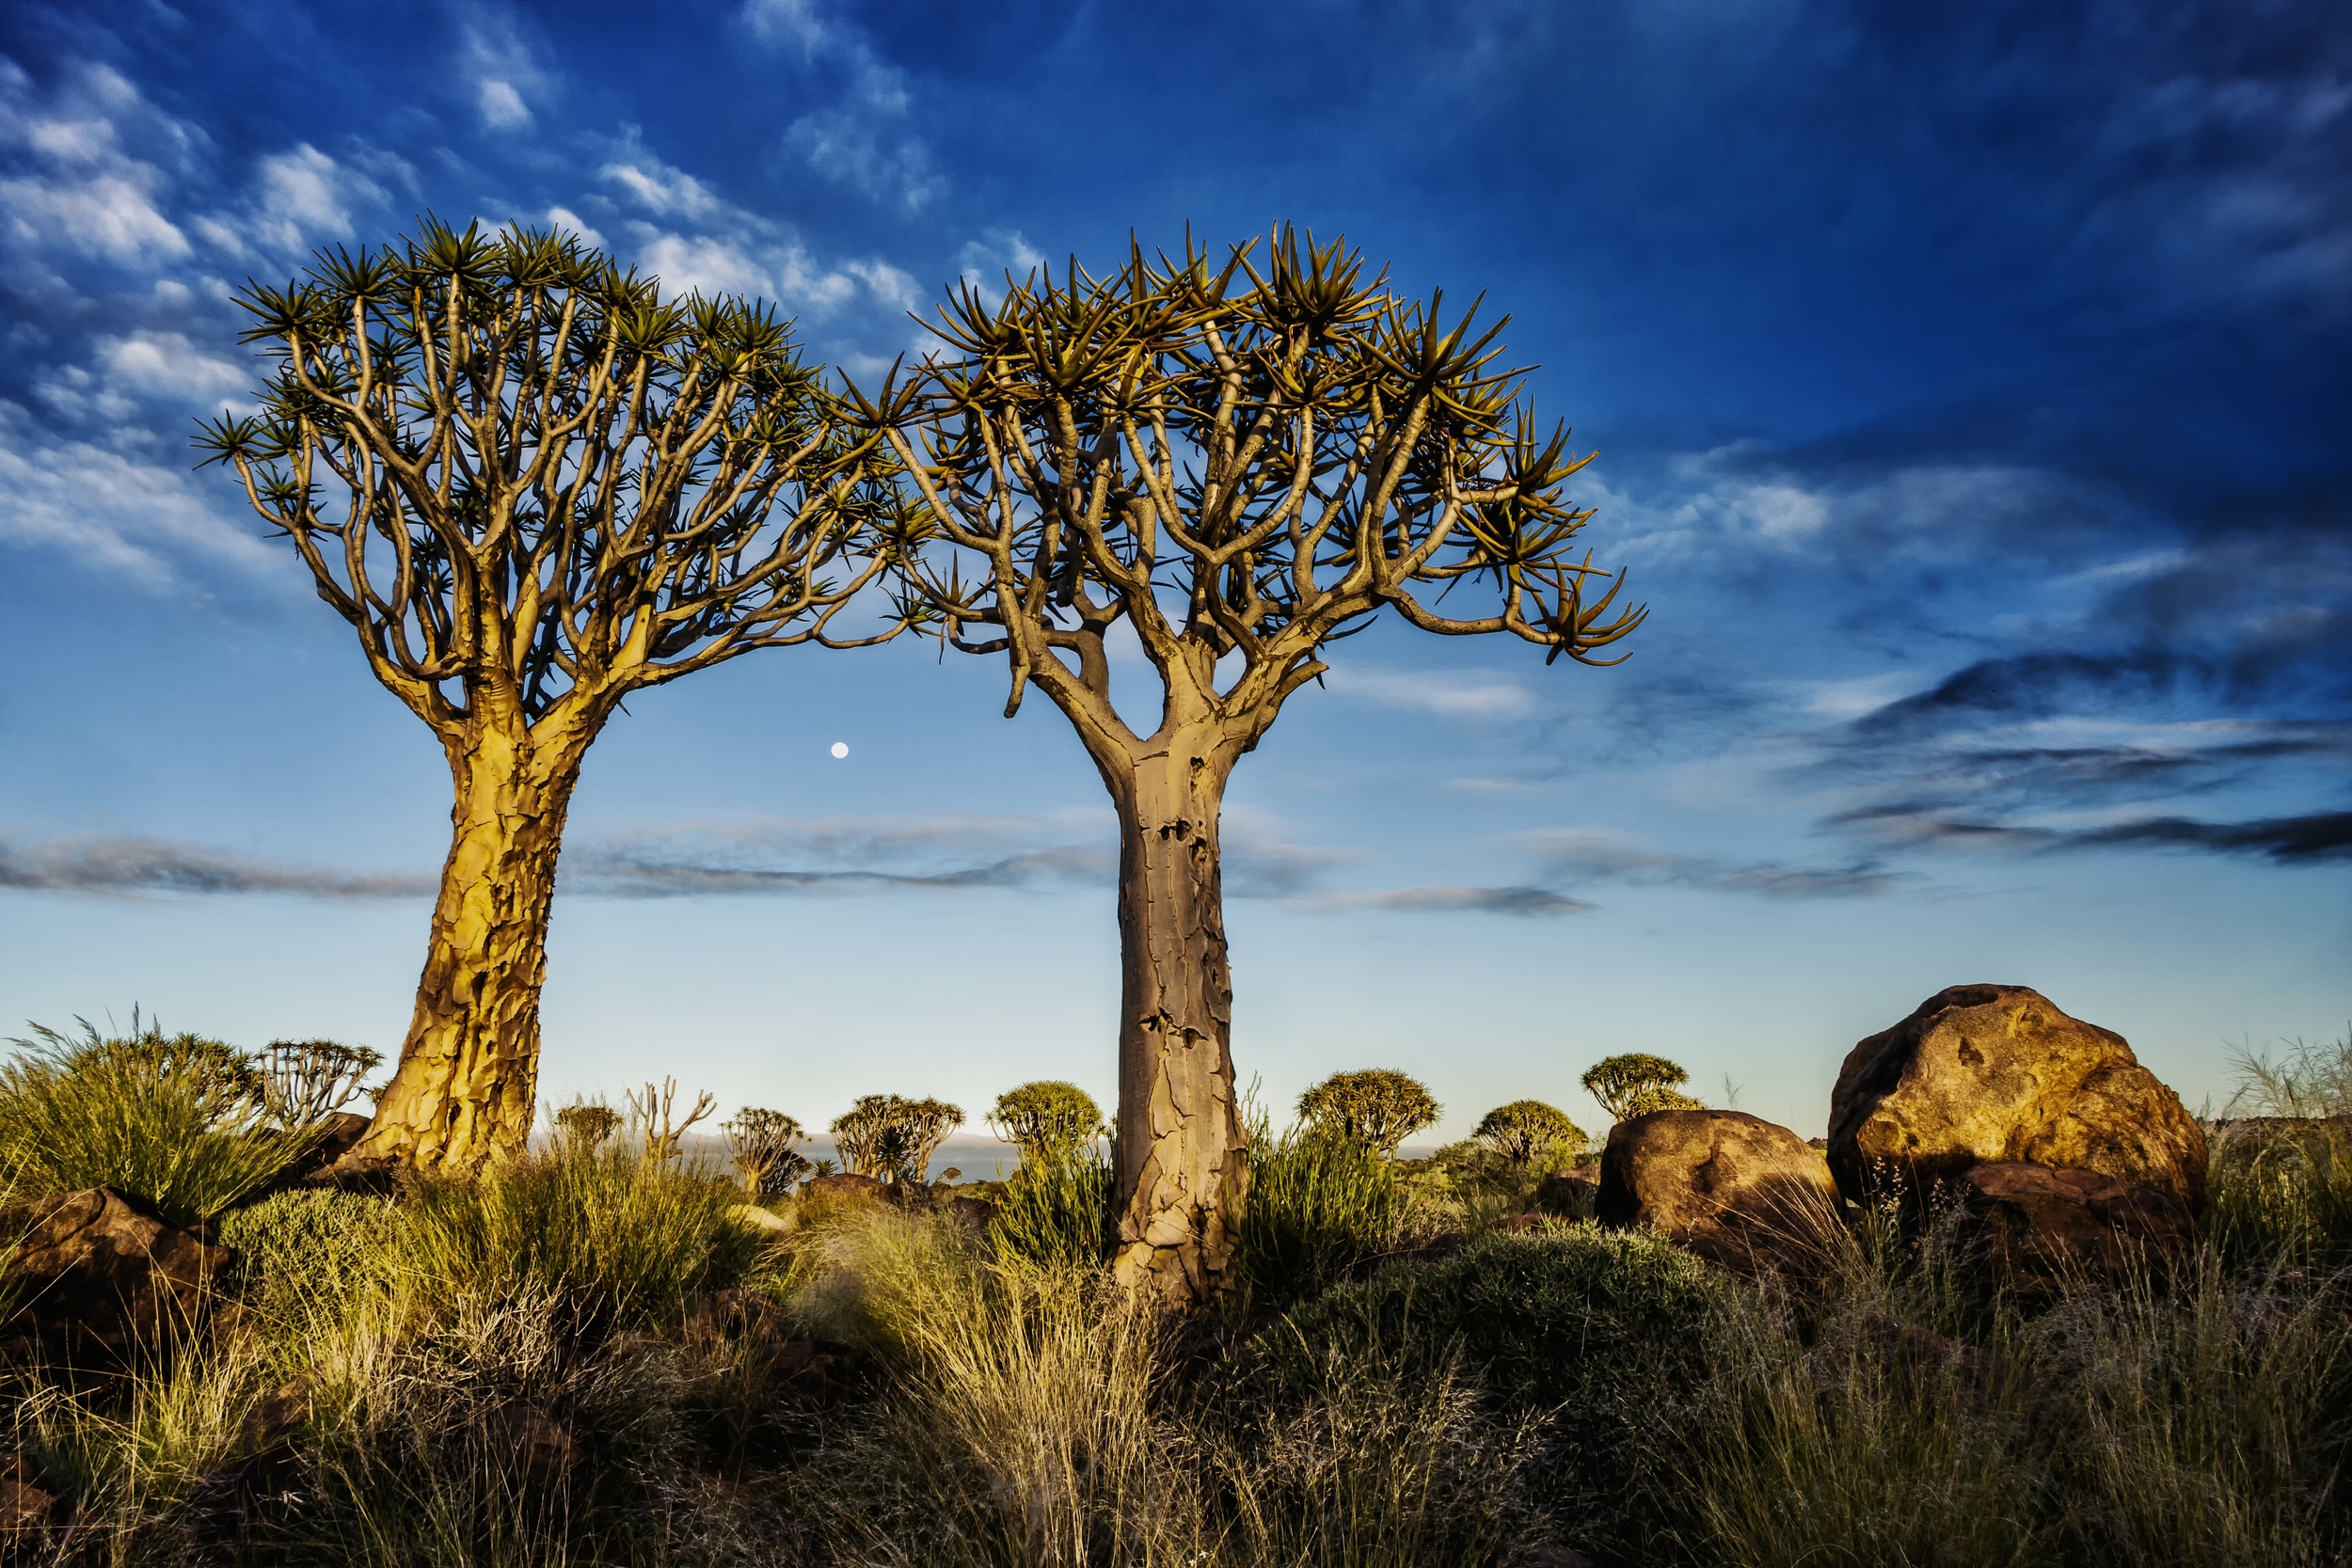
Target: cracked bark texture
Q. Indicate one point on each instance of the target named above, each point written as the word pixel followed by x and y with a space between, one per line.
pixel 1183 1155
pixel 467 1085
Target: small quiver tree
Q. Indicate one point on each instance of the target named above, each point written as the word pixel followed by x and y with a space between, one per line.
pixel 892 1139
pixel 767 1157
pixel 1527 1133
pixel 305 1082
pixel 1238 463
pixel 1378 1107
pixel 533 486
pixel 586 1126
pixel 1048 1118
pixel 654 1115
pixel 1636 1084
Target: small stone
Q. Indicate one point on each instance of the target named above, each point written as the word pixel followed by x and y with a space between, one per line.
pixel 766 1221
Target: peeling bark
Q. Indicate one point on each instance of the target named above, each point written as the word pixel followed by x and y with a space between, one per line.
pixel 466 1090
pixel 1182 1152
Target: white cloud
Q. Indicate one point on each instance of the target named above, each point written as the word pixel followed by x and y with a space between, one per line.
pixel 305 196
pixel 1457 695
pixel 166 363
pixel 115 511
pixel 74 182
pixel 564 217
pixel 503 108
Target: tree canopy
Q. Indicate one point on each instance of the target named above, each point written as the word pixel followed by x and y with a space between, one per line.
pixel 1377 1107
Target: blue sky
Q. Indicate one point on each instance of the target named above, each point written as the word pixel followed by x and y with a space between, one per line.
pixel 1972 387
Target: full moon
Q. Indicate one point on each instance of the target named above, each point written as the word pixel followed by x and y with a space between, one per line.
pixel 841 747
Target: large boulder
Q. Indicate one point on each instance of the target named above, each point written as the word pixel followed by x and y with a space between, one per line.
pixel 97 1279
pixel 2039 1228
pixel 1996 1074
pixel 1731 1187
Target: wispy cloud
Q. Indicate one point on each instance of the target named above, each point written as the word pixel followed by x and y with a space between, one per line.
pixel 1521 901
pixel 104 863
pixel 1459 694
pixel 1579 855
pixel 2315 839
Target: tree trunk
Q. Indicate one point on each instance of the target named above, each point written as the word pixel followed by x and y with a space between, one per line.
pixel 1182 1152
pixel 466 1086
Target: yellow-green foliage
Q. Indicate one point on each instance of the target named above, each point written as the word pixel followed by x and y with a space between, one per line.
pixel 1527 1133
pixel 614 1237
pixel 1637 1084
pixel 2281 1177
pixel 1377 1107
pixel 1319 1205
pixel 1046 1116
pixel 1055 1211
pixel 177 1121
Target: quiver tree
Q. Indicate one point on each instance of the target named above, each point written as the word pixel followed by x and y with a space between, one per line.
pixel 1236 463
pixel 1378 1107
pixel 767 1156
pixel 305 1082
pixel 1529 1131
pixel 892 1139
pixel 533 486
pixel 1046 1119
pixel 1636 1084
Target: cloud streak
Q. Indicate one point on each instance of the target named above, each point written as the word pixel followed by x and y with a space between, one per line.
pixel 1578 855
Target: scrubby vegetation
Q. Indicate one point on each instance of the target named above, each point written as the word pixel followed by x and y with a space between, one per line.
pixel 587 1356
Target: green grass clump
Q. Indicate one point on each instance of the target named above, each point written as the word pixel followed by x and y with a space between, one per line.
pixel 1320 1205
pixel 620 1239
pixel 299 1247
pixel 174 1121
pixel 1053 1210
pixel 2282 1173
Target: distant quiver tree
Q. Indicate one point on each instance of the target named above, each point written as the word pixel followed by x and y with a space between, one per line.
pixel 1378 1107
pixel 1046 1119
pixel 1636 1084
pixel 892 1139
pixel 534 486
pixel 1237 461
pixel 1527 1131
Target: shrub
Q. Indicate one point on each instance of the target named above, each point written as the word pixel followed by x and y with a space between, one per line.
pixel 2281 1188
pixel 1053 1211
pixel 177 1121
pixel 586 1125
pixel 892 1139
pixel 1637 1084
pixel 618 1237
pixel 1319 1205
pixel 294 1249
pixel 1607 1332
pixel 1378 1108
pixel 1046 1117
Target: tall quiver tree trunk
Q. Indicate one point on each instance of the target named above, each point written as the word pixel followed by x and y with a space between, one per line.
pixel 466 1085
pixel 533 486
pixel 1182 1152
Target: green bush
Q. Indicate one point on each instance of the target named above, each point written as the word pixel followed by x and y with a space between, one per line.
pixel 1053 1211
pixel 292 1248
pixel 177 1121
pixel 616 1239
pixel 1320 1204
pixel 1606 1333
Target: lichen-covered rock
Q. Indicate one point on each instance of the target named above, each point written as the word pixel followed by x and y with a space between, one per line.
pixel 1997 1074
pixel 2038 1228
pixel 1731 1187
pixel 98 1280
pixel 1571 1194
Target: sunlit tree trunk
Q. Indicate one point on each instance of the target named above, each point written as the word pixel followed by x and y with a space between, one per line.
pixel 1182 1152
pixel 465 1088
